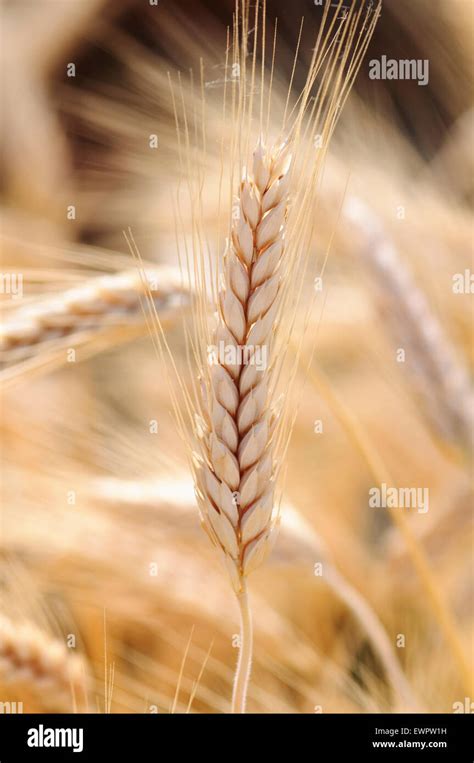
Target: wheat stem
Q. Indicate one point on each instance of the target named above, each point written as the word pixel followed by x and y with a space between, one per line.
pixel 366 617
pixel 244 663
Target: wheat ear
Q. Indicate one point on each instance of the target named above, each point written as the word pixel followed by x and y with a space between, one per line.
pixel 441 379
pixel 31 658
pixel 92 307
pixel 236 476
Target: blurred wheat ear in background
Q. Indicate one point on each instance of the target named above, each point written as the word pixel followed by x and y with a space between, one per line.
pixel 31 660
pixel 99 311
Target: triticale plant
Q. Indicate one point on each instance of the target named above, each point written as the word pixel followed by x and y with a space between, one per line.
pixel 237 418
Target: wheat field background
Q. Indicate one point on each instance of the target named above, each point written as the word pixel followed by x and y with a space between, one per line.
pixel 103 563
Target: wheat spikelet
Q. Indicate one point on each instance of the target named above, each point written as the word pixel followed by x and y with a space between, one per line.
pixel 98 304
pixel 31 659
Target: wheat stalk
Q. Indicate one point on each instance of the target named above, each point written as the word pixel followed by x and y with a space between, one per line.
pixel 235 478
pixel 32 659
pixel 240 431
